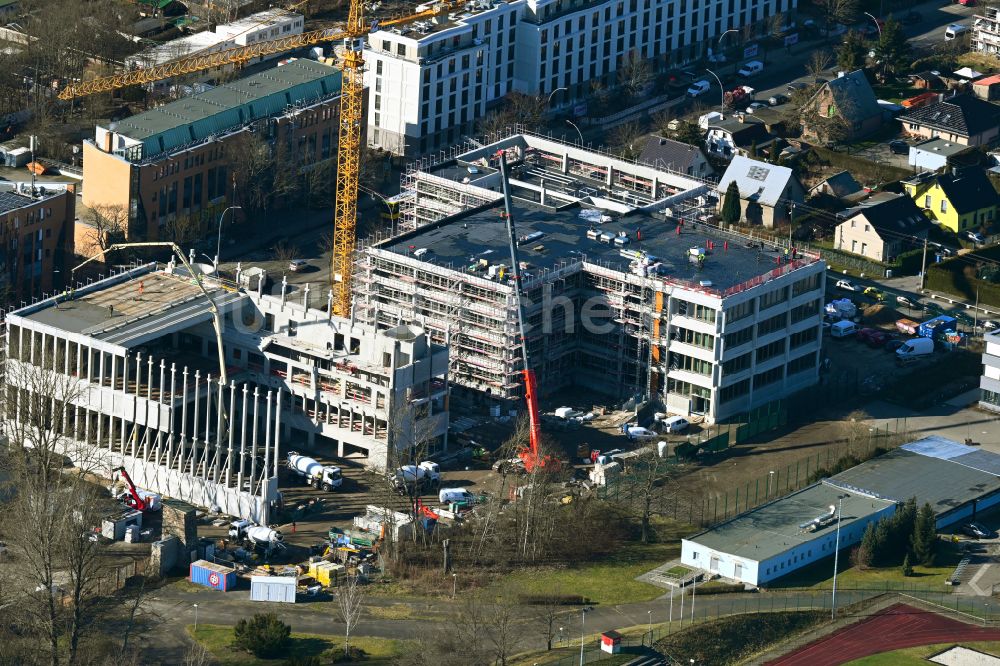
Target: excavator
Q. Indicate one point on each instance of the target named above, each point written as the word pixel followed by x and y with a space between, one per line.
pixel 135 498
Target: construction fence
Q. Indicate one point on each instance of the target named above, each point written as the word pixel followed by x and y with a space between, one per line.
pixel 706 507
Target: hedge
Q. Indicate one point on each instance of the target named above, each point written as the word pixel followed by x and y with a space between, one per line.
pixel 949 276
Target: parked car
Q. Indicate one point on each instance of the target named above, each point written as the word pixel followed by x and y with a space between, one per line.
pixel 777 100
pixel 877 339
pixel 846 285
pixel 990 325
pixel 899 147
pixel 756 105
pixel 698 88
pixel 978 531
pixel 297 265
pixel 908 303
pixel 796 85
pixel 975 237
pixel 864 333
pixel 819 80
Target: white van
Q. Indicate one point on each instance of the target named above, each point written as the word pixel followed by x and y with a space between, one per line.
pixel 675 424
pixel 954 31
pixel 915 348
pixel 449 495
pixel 752 68
pixel 843 329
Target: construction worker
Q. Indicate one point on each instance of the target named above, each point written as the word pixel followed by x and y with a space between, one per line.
pixel 141 286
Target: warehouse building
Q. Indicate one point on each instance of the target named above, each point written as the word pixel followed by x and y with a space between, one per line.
pixel 623 296
pixel 137 360
pixel 773 540
pixel 171 168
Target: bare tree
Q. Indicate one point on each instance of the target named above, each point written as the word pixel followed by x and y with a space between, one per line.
pixel 838 11
pixel 818 61
pixel 634 73
pixel 547 612
pixel 284 251
pixel 197 655
pixel 502 630
pixel 627 139
pixel 110 223
pixel 350 602
pixel 182 228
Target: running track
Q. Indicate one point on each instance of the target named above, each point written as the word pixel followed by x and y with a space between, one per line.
pixel 896 627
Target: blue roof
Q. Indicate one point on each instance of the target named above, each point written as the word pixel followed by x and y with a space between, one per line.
pixel 230 105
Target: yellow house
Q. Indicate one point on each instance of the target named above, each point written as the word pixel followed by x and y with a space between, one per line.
pixel 959 201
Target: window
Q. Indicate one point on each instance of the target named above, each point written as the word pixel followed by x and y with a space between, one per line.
pixel 808 284
pixel 737 390
pixel 401 49
pixel 737 364
pixel 738 338
pixel 927 201
pixel 771 350
pixel 802 363
pixel 703 340
pixel 944 205
pixel 768 377
pixel 771 325
pixel 772 298
pixel 740 311
pixel 802 337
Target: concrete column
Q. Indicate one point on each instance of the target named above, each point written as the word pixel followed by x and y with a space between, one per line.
pixel 256 427
pixel 277 434
pixel 218 432
pixel 79 360
pixel 243 442
pixel 100 368
pixel 114 372
pixel 231 415
pixel 149 377
pixel 193 453
pixel 610 176
pixel 565 162
pixel 208 426
pixel 184 411
pixel 267 438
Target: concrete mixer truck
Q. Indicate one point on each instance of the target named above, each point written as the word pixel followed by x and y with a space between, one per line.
pixel 314 473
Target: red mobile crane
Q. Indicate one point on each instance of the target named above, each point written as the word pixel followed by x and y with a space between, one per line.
pixel 135 500
pixel 530 456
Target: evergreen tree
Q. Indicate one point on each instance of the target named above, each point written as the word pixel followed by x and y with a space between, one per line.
pixel 892 48
pixel 731 204
pixel 907 567
pixel 753 149
pixel 852 52
pixel 863 554
pixel 924 536
pixel 881 555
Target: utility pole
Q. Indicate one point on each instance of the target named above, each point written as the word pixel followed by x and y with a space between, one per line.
pixel 836 560
pixel 923 266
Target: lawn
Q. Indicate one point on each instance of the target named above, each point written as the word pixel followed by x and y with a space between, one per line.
pixel 678 571
pixel 819 576
pixel 216 639
pixel 608 581
pixel 918 655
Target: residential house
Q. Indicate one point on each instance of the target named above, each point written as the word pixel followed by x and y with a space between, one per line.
pixel 987 88
pixel 935 154
pixel 840 185
pixel 960 200
pixel 881 227
pixel 962 119
pixel 844 109
pixel 736 135
pixel 664 153
pixel 767 191
pixel 926 81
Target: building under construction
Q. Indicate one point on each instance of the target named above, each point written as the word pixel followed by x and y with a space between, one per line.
pixel 134 365
pixel 629 292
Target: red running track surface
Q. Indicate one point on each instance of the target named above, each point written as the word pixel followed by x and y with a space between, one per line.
pixel 896 627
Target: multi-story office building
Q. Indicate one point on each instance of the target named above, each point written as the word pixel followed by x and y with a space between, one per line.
pixel 986 31
pixel 431 81
pixel 177 161
pixel 133 362
pixel 627 292
pixel 989 383
pixel 36 238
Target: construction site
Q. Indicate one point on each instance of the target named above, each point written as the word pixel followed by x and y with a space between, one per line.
pixel 627 292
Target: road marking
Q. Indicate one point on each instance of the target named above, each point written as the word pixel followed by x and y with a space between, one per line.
pixel 979 574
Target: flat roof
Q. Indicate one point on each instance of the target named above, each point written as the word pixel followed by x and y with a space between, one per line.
pixel 10 201
pixel 231 104
pixel 461 241
pixel 775 528
pixel 946 483
pixel 942 147
pixel 117 313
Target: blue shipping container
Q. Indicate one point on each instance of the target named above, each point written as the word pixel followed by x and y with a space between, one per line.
pixel 213 575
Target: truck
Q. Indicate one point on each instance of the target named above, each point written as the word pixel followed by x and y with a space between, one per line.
pixel 907 326
pixel 739 96
pixel 422 476
pixel 314 473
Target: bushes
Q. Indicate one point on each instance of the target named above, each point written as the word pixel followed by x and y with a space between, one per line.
pixel 263 635
pixel 907 535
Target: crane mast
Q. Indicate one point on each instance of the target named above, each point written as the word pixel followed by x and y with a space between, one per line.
pixel 348 158
pixel 531 457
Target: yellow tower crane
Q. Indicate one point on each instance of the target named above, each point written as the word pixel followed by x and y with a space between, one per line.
pixel 351 108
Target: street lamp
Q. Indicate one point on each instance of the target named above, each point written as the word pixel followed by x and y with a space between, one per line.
pixel 649 626
pixel 836 559
pixel 670 618
pixel 577 130
pixel 877 25
pixel 388 207
pixel 769 476
pixel 454 584
pixel 722 93
pixel 218 242
pixel 583 618
pixel 719 43
pixel 195 617
pixel 561 639
pixel 549 101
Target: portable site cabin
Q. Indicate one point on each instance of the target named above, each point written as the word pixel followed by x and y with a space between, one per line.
pixel 280 589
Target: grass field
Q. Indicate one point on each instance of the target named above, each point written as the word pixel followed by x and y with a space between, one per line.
pixel 917 656
pixel 819 576
pixel 610 580
pixel 217 639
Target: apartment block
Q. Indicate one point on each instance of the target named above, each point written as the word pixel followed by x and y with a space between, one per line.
pixel 986 31
pixel 172 168
pixel 144 384
pixel 36 238
pixel 989 383
pixel 628 293
pixel 432 80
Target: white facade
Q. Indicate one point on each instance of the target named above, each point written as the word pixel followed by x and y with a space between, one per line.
pixel 989 383
pixel 986 31
pixel 144 390
pixel 433 80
